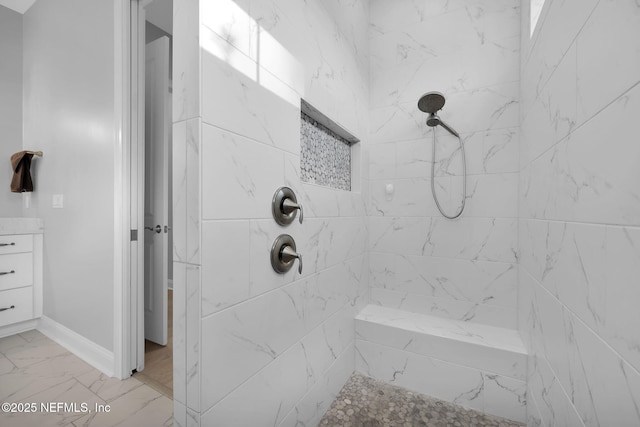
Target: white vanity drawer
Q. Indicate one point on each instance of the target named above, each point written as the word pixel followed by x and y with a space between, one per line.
pixel 16 270
pixel 13 244
pixel 22 301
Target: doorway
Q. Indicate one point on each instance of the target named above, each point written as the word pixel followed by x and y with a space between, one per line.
pixel 152 293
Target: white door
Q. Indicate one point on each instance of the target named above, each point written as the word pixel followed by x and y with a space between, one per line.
pixel 156 203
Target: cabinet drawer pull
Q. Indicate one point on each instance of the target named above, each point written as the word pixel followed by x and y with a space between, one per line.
pixel 2 273
pixel 7 308
pixel 7 244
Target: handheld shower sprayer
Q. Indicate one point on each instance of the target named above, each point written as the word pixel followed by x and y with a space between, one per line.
pixel 431 103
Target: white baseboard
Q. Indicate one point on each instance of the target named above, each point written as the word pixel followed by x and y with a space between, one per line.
pixel 95 355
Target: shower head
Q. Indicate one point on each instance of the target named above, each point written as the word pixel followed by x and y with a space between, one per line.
pixel 433 120
pixel 431 102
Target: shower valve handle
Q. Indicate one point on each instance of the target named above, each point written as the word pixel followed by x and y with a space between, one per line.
pixel 289 206
pixel 288 254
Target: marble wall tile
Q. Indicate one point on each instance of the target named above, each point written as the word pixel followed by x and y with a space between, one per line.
pixel 485 239
pixel 186 82
pixel 240 176
pixel 249 109
pixel 584 180
pixel 553 114
pixel 511 364
pixel 316 402
pixel 179 188
pixel 225 276
pixel 447 381
pixel 193 201
pixel 193 338
pixel 598 50
pixel 242 340
pixel 446 307
pixel 558 29
pixel 418 68
pixel 459 279
pixel 180 334
pixel 622 266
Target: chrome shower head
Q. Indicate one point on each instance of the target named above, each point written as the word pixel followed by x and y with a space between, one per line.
pixel 433 120
pixel 431 102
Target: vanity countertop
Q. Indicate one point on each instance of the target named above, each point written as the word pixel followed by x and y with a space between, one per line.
pixel 21 226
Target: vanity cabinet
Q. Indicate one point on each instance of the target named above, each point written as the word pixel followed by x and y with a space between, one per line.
pixel 20 278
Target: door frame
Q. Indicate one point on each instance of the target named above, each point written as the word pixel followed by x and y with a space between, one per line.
pixel 128 351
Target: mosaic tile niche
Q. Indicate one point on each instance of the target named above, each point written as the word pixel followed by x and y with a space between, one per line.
pixel 325 157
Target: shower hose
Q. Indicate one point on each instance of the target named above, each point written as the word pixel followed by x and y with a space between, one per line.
pixel 464 177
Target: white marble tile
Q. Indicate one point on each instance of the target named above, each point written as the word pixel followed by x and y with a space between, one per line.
pixel 193 190
pixel 193 344
pixel 240 178
pixel 273 392
pixel 179 195
pixel 186 60
pixel 413 159
pixel 180 332
pixel 505 396
pixel 604 388
pixel 490 195
pixel 225 271
pixel 448 308
pixel 313 405
pixel 408 197
pixel 553 114
pixel 559 27
pixel 382 161
pixel 108 389
pixel 229 21
pixel 492 151
pixel 622 266
pixel 447 381
pixel 179 414
pixel 141 406
pixel 581 179
pixel 472 65
pixel 548 396
pixel 569 260
pixel 459 279
pixel 474 238
pixel 241 340
pixel 596 54
pixel 486 348
pixel 249 109
pixel 70 392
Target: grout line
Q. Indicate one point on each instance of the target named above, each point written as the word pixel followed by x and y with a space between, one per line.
pixel 583 223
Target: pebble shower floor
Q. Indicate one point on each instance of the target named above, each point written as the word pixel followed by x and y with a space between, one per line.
pixel 366 402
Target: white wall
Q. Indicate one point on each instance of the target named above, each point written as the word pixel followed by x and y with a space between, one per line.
pixel 580 213
pixel 284 343
pixel 468 50
pixel 69 114
pixel 10 106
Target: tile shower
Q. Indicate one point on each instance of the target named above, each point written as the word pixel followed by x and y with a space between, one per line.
pixel 536 256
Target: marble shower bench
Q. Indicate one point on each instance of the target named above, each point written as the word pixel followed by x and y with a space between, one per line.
pixel 474 365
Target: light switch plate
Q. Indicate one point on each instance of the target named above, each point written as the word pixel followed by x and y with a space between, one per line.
pixel 57 201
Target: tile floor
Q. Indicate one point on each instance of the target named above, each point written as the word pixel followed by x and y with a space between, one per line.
pixel 366 402
pixel 34 369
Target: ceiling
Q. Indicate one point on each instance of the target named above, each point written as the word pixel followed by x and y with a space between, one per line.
pixel 20 6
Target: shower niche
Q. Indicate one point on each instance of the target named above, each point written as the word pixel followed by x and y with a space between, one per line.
pixel 327 154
